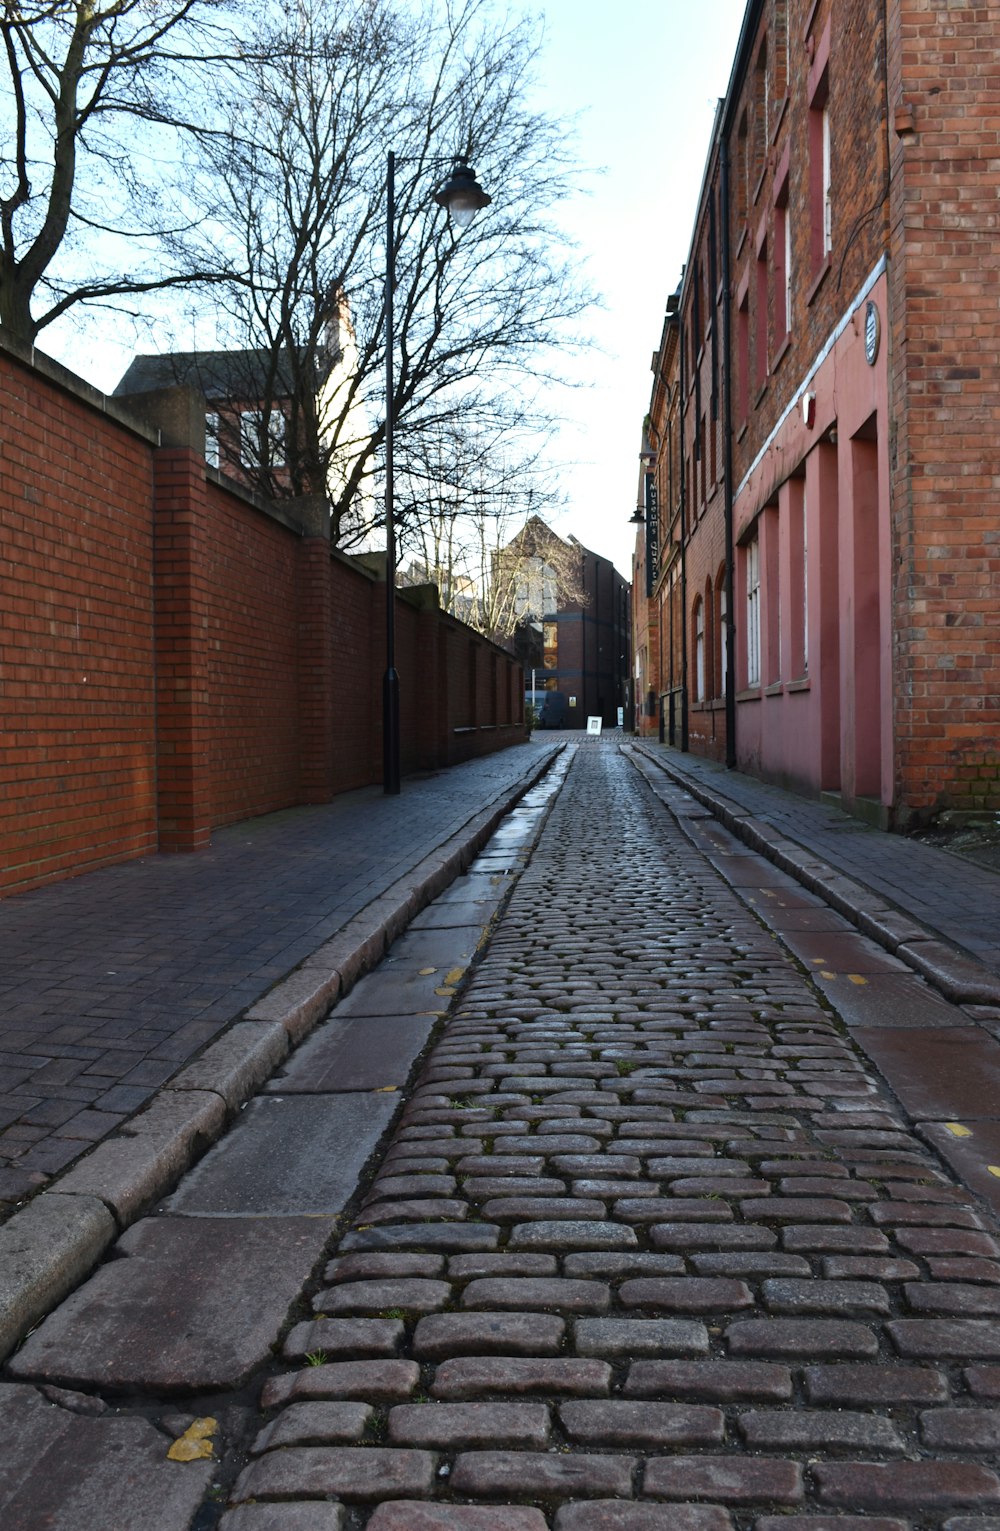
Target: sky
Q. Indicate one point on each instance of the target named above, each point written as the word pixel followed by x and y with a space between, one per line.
pixel 646 77
pixel 642 78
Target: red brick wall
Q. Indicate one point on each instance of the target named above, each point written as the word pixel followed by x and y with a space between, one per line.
pixel 945 94
pixel 249 577
pixel 357 660
pixel 175 656
pixel 77 770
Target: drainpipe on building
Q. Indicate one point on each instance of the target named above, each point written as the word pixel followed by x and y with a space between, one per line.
pixel 682 477
pixel 727 458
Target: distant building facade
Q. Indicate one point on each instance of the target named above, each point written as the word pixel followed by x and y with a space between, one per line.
pixel 823 420
pixel 574 635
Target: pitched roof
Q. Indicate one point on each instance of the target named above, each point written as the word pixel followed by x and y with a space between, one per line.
pixel 222 376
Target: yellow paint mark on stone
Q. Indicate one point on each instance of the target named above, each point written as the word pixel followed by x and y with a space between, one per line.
pixel 385 1089
pixel 446 992
pixel 857 978
pixel 817 961
pixel 426 972
pixel 455 976
pixel 196 1442
pixel 827 974
pixel 958 1131
pixel 994 1169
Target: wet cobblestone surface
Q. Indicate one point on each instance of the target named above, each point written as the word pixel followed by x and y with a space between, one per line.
pixel 650 1247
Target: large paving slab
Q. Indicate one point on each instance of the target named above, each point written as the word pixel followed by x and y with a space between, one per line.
pixel 286 1157
pixel 63 1471
pixel 886 1000
pixel 369 1052
pixel 452 914
pixel 482 887
pixel 187 1304
pixel 973 1150
pixel 953 1071
pixel 418 976
pixel 841 951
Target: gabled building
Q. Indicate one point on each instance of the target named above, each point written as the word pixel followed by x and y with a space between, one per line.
pixel 574 624
pixel 823 415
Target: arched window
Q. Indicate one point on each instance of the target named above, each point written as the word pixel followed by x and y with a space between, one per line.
pixel 699 650
pixel 722 631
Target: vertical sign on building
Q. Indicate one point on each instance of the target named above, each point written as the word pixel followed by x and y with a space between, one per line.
pixel 652 535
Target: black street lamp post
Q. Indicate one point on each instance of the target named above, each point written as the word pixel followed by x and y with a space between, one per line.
pixel 462 197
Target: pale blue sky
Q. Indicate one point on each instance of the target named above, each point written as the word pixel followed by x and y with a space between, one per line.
pixel 646 75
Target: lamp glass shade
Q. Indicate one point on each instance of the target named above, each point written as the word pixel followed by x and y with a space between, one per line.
pixel 462 195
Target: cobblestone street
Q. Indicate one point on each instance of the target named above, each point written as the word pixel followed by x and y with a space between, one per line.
pixel 651 1248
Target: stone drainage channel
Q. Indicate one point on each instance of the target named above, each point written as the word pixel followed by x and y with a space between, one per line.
pixel 651 1248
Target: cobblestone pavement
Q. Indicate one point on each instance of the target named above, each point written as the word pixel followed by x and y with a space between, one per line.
pixel 111 982
pixel 944 891
pixel 650 1247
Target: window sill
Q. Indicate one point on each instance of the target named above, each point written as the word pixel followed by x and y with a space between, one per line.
pixel 742 240
pixel 818 280
pixel 799 685
pixel 751 694
pixel 776 688
pixel 761 392
pixel 781 353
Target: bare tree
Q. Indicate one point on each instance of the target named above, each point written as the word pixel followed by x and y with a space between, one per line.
pixel 465 494
pixel 533 576
pixel 470 523
pixel 295 201
pixel 92 92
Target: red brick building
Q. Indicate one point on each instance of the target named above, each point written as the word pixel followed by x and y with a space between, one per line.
pixel 824 414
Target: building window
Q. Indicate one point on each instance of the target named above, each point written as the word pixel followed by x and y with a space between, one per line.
pixel 699 650
pixel 276 428
pixel 743 357
pixel 820 173
pixel 782 262
pixel 212 439
pixel 760 103
pixel 249 438
pixel 260 448
pixel 743 168
pixel 779 31
pixel 760 318
pixel 752 557
pixel 722 626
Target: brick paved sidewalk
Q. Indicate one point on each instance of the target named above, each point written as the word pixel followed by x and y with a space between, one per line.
pixel 111 982
pixel 651 1249
pixel 942 891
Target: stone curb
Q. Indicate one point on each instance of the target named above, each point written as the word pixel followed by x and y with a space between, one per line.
pixel 959 977
pixel 54 1242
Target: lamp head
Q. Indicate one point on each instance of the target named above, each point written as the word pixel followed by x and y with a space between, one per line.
pixel 461 194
